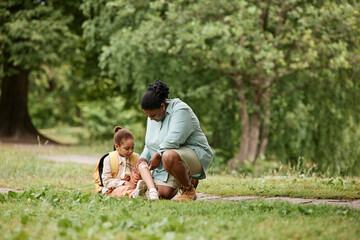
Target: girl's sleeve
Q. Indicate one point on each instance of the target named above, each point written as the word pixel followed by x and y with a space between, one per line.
pixel 108 180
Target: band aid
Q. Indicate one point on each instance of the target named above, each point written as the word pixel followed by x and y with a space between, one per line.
pixel 143 165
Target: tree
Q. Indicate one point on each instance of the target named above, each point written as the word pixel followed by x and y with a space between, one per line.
pixel 253 44
pixel 34 36
pixel 129 69
pixel 317 122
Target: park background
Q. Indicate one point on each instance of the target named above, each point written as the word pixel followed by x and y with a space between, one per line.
pixel 269 80
pixel 275 85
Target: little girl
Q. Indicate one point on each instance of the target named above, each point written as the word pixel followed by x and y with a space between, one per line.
pixel 130 180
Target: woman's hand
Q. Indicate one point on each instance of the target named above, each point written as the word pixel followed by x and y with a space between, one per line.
pixel 154 162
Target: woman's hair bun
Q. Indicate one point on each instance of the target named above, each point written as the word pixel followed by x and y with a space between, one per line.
pixel 160 89
pixel 117 128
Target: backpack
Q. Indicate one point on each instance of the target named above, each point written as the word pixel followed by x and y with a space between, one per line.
pixel 114 163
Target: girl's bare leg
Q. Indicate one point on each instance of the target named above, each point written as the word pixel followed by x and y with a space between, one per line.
pixel 146 175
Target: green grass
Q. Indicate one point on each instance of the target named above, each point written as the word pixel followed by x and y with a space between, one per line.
pixel 66 134
pixel 303 187
pixel 48 149
pixel 78 141
pixel 21 168
pixel 58 202
pixel 52 214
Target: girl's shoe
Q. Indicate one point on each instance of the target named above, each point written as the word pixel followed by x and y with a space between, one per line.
pixel 140 189
pixel 153 194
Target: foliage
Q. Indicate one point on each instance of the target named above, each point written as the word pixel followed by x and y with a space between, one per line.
pixel 205 50
pixel 52 97
pixel 307 50
pixel 35 38
pixel 102 116
pixel 34 33
pixel 318 124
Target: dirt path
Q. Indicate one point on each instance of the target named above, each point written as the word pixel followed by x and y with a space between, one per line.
pixel 202 196
pixel 86 159
pixel 337 202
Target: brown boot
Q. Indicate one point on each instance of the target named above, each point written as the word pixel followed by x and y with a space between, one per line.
pixel 188 193
pixel 194 182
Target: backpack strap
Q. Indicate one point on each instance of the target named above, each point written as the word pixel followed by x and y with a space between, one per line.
pixel 133 159
pixel 97 174
pixel 114 163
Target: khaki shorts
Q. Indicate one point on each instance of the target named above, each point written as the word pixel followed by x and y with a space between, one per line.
pixel 192 163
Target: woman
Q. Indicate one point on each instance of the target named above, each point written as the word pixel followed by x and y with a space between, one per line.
pixel 175 146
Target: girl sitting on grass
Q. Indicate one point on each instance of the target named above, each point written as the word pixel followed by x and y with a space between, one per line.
pixel 130 180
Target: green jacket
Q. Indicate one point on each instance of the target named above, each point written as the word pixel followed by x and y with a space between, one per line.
pixel 180 127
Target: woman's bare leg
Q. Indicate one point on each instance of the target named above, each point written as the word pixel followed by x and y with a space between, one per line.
pixel 176 167
pixel 166 192
pixel 173 165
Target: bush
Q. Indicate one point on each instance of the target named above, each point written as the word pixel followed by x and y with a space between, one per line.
pixel 100 118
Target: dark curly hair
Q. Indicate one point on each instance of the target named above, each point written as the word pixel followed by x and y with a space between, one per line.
pixel 155 95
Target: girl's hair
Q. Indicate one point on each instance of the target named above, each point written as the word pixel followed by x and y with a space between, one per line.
pixel 155 95
pixel 121 134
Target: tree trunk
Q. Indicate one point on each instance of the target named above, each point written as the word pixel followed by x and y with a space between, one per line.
pixel 255 125
pixel 15 122
pixel 254 137
pixel 265 126
pixel 251 146
pixel 240 157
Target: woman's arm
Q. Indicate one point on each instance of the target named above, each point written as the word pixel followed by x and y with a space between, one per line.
pixel 145 154
pixel 154 161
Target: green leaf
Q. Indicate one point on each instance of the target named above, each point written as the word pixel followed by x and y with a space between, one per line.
pixel 12 194
pixel 2 198
pixel 305 211
pixel 330 182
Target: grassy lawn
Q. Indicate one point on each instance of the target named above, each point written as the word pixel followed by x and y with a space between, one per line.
pixel 21 168
pixel 48 210
pixel 53 214
pixel 289 186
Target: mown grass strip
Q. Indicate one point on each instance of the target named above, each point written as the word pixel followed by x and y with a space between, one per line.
pixel 23 169
pixel 48 214
pixel 302 187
